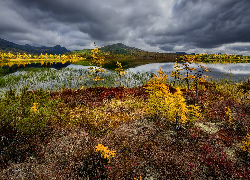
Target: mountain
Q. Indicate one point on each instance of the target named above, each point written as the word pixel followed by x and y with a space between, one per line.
pixel 120 48
pixel 6 46
pixel 131 52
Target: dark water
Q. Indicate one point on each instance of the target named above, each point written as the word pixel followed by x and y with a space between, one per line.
pixel 36 65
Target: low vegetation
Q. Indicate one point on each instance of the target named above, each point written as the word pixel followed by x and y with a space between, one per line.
pixel 194 127
pixel 216 58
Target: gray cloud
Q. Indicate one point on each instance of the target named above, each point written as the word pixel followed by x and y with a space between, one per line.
pixel 186 25
pixel 240 48
pixel 167 47
pixel 208 24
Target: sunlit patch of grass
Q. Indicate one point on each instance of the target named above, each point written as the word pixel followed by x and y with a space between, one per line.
pixel 100 120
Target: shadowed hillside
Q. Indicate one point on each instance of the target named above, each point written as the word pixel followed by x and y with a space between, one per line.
pixel 7 46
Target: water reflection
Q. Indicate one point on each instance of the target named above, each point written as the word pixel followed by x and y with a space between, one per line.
pixel 74 66
pixel 240 71
pixel 54 65
pixel 76 76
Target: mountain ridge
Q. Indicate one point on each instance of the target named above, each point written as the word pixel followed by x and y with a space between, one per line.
pixel 118 48
pixel 7 46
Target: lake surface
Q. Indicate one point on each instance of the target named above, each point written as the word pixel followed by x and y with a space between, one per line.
pixel 75 76
pixel 239 71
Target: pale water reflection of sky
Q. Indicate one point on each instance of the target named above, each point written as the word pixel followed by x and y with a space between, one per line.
pixel 240 68
pixel 237 71
pixel 153 67
pixel 74 66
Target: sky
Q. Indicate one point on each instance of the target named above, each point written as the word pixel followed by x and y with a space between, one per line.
pixel 192 26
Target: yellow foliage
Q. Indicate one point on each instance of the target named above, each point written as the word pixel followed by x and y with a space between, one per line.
pixel 137 179
pixel 34 107
pixel 169 105
pixel 120 69
pixel 97 56
pixel 97 78
pixel 246 146
pixel 98 60
pixel 229 115
pixel 105 153
pixel 164 103
pixel 193 113
pixel 27 58
pixel 176 73
pixel 176 106
pixel 158 92
pixel 204 78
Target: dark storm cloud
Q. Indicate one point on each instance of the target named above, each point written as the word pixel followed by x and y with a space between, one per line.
pixel 95 18
pixel 208 24
pixel 81 15
pixel 152 25
pixel 167 47
pixel 104 21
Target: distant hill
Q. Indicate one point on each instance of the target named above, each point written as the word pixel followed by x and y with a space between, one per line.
pixel 84 51
pixel 118 48
pixel 7 46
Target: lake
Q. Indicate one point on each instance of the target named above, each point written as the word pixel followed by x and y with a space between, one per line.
pixel 239 71
pixel 75 76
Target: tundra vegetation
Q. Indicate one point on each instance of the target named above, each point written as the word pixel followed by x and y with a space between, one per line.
pixel 105 127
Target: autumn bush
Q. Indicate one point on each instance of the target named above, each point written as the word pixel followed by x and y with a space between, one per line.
pixel 169 105
pixel 25 122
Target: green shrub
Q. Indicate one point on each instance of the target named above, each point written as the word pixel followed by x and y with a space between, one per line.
pixel 27 113
pixel 2 82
